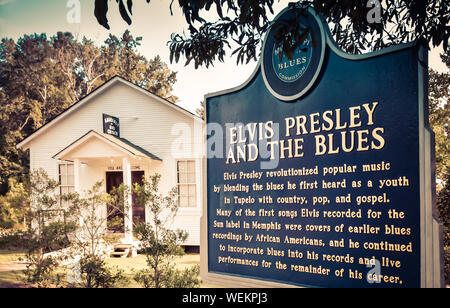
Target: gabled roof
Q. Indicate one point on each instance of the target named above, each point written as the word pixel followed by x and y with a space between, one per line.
pixel 23 144
pixel 121 144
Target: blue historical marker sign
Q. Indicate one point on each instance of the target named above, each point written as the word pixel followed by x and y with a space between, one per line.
pixel 321 177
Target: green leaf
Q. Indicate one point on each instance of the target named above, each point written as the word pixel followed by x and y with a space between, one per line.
pixel 100 10
pixel 123 13
pixel 130 6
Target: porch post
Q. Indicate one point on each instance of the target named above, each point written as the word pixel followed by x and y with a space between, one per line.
pixel 128 210
pixel 76 175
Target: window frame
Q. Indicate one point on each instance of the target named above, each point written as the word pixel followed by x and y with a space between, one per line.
pixel 70 188
pixel 187 183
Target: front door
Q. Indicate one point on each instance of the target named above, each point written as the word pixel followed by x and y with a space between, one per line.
pixel 115 213
pixel 115 216
pixel 138 209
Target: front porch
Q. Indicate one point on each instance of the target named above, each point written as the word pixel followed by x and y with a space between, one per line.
pixel 113 161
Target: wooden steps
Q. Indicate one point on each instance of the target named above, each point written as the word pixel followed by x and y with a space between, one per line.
pixel 123 251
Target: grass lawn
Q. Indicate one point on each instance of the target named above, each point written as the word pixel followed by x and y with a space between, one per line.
pixel 8 256
pixel 14 279
pixel 128 265
pixel 11 278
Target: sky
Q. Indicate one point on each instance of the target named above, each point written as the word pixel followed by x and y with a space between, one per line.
pixel 153 22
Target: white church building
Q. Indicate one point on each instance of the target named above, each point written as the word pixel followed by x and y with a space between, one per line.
pixel 117 134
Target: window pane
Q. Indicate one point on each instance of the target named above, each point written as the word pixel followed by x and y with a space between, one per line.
pixel 70 180
pixel 191 190
pixel 184 191
pixel 182 178
pixel 191 178
pixel 63 174
pixel 181 171
pixel 63 170
pixel 192 202
pixel 191 166
pixel 184 201
pixel 70 170
pixel 182 168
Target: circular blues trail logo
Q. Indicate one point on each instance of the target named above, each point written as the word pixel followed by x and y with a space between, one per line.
pixel 290 70
pixel 290 77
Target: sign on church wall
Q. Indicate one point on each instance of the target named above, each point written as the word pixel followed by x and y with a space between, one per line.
pixel 111 125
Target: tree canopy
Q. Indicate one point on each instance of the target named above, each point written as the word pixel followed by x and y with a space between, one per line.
pixel 41 76
pixel 358 26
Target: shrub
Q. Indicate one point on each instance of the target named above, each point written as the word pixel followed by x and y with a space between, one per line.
pixel 50 226
pixel 95 274
pixel 159 243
